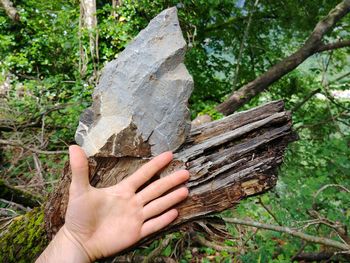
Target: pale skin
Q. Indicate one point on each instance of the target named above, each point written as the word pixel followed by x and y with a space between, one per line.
pixel 101 222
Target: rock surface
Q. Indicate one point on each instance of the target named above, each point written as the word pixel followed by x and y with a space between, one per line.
pixel 140 104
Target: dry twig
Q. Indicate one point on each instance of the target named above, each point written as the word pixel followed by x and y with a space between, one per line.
pixel 293 232
pixel 29 148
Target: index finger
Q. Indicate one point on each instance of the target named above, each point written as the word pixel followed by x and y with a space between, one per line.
pixel 148 170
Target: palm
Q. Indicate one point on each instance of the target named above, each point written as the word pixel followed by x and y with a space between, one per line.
pixel 108 220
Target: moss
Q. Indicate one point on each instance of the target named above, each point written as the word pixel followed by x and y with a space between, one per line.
pixel 25 238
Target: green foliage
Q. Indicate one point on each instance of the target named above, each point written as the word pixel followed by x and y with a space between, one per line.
pixel 43 42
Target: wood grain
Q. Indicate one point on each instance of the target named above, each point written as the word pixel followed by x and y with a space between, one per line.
pixel 228 159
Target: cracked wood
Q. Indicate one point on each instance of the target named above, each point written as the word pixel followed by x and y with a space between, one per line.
pixel 228 160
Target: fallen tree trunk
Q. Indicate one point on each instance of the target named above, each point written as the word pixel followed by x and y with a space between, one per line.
pixel 228 160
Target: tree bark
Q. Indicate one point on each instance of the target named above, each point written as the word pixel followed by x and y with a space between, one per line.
pixel 10 10
pixel 88 23
pixel 312 45
pixel 115 5
pixel 228 160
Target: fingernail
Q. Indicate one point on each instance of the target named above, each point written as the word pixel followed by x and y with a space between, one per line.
pixel 70 149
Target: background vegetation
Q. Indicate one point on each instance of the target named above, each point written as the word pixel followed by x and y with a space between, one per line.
pixel 45 84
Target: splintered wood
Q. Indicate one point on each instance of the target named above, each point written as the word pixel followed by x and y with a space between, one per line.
pixel 228 159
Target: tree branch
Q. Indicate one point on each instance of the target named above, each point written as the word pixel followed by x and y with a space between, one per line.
pixel 18 196
pixel 14 205
pixel 324 121
pixel 328 186
pixel 233 20
pixel 202 241
pixel 311 46
pixel 29 148
pixel 158 250
pixel 320 240
pixel 340 77
pixel 33 122
pixel 301 103
pixel 245 35
pixel 10 10
pixel 332 46
pixel 268 210
pixel 314 256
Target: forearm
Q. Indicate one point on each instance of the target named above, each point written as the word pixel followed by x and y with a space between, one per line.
pixel 64 249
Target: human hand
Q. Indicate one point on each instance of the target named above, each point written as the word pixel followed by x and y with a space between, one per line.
pixel 100 222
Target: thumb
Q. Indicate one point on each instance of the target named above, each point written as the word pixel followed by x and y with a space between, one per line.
pixel 80 170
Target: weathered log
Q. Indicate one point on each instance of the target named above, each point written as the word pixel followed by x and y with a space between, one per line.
pixel 228 160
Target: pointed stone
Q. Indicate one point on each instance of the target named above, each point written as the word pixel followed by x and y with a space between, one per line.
pixel 140 104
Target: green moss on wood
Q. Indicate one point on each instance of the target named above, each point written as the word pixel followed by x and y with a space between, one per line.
pixel 25 238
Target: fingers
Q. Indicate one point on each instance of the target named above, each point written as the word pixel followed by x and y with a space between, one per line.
pixel 163 203
pixel 80 170
pixel 156 224
pixel 162 185
pixel 148 170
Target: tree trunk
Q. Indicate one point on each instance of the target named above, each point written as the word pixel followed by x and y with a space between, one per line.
pixel 10 10
pixel 88 24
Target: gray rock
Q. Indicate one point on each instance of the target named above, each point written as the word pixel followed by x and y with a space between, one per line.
pixel 140 104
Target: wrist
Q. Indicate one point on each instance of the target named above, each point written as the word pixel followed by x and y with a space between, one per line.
pixel 64 248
